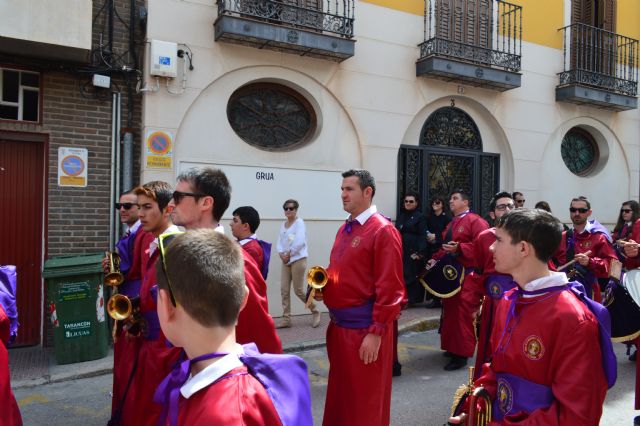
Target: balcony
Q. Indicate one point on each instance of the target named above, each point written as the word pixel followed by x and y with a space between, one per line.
pixel 51 30
pixel 600 69
pixel 474 43
pixel 316 28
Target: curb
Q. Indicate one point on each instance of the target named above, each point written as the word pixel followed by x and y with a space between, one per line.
pixel 416 325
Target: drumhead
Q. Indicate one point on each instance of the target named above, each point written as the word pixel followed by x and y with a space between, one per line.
pixel 631 281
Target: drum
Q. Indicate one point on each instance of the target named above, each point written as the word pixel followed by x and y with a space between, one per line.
pixel 444 279
pixel 623 307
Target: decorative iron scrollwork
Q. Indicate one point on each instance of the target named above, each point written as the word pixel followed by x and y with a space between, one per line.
pixel 451 127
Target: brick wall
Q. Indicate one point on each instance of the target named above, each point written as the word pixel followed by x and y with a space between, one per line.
pixel 75 114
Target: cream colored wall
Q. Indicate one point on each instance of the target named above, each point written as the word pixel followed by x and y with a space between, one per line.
pixel 372 103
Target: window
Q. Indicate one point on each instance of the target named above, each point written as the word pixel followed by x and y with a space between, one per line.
pixel 271 116
pixel 19 95
pixel 579 151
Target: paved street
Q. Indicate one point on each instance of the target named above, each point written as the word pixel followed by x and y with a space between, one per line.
pixel 422 396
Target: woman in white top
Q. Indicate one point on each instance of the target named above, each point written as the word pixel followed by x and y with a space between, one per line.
pixel 292 249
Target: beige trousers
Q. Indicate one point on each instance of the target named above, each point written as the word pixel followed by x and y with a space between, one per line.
pixel 293 273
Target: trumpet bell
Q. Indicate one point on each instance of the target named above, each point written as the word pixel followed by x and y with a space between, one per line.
pixel 317 277
pixel 114 277
pixel 119 307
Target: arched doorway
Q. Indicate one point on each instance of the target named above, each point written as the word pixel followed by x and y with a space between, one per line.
pixel 449 156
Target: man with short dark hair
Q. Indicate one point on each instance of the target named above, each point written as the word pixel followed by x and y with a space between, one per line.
pixel 518 199
pixel 586 236
pixel 243 226
pixel 552 359
pixel 199 201
pixel 363 294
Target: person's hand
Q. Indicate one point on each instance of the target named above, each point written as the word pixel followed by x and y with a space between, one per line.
pixel 582 259
pixel 285 256
pixel 450 247
pixel 318 296
pixel 431 238
pixel 431 262
pixel 369 348
pixel 105 265
pixel 458 420
pixel 415 256
pixel 631 249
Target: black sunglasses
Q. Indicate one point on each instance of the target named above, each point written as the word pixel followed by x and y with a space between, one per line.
pixel 409 201
pixel 164 241
pixel 289 209
pixel 576 209
pixel 126 206
pixel 177 195
pixel 625 210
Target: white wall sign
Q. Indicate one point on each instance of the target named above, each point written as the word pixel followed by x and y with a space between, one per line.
pixel 266 189
pixel 72 167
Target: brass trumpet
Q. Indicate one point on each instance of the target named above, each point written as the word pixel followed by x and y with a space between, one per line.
pixel 114 277
pixel 480 408
pixel 121 307
pixel 317 278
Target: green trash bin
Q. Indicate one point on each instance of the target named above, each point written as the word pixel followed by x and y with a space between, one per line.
pixel 75 301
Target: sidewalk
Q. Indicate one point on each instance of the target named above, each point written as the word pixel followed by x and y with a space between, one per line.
pixel 33 366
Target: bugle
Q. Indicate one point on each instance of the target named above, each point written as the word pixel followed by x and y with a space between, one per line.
pixel 114 277
pixel 317 278
pixel 121 307
pixel 480 409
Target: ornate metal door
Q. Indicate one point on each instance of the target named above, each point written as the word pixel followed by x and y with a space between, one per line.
pixel 449 157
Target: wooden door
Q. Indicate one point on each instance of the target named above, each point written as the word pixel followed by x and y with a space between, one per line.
pixel 22 194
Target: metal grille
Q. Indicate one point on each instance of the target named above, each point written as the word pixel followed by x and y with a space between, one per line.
pixel 600 58
pixel 326 16
pixel 484 32
pixel 451 127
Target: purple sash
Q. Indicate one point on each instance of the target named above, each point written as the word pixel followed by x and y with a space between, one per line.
pixel 497 284
pixel 266 252
pixel 353 316
pixel 130 288
pixel 515 394
pixel 125 250
pixel 152 322
pixel 8 280
pixel 284 377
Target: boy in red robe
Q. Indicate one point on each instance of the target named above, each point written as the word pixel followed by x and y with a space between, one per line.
pixel 202 290
pixel 9 411
pixel 363 294
pixel 199 201
pixel 552 356
pixel 243 226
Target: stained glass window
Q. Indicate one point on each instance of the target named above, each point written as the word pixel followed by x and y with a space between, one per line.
pixel 579 151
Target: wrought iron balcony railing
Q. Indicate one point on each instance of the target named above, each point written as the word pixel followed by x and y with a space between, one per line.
pixel 333 17
pixel 484 32
pixel 601 59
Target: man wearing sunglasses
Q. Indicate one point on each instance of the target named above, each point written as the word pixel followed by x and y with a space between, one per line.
pixel 153 359
pixel 586 236
pixel 199 201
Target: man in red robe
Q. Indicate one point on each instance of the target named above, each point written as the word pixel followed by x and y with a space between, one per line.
pixel 363 294
pixel 244 225
pixel 457 335
pixel 494 283
pixel 551 362
pixel 154 358
pixel 584 237
pixel 199 201
pixel 202 289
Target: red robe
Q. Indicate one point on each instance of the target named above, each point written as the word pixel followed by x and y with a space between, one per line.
pixel 632 262
pixel 457 333
pixel 9 411
pixel 484 261
pixel 599 260
pixel 237 398
pixel 254 322
pixel 365 265
pixel 125 349
pixel 254 248
pixel 554 342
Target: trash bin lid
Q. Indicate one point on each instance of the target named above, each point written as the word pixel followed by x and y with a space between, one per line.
pixel 62 266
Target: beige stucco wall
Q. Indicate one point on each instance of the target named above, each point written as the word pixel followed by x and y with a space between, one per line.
pixel 372 103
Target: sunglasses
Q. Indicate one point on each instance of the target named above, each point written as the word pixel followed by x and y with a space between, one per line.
pixel 409 201
pixel 126 206
pixel 289 209
pixel 580 210
pixel 437 202
pixel 503 207
pixel 625 210
pixel 178 196
pixel 164 241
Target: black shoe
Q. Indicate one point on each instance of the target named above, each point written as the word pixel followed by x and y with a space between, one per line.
pixel 636 421
pixel 632 357
pixel 432 303
pixel 456 363
pixel 447 354
pixel 397 369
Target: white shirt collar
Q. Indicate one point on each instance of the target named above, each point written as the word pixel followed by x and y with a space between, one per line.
pixel 246 240
pixel 211 373
pixel 154 244
pixel 365 215
pixel 133 228
pixel 554 279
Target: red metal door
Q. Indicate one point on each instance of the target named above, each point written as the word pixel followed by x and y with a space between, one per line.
pixel 21 228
